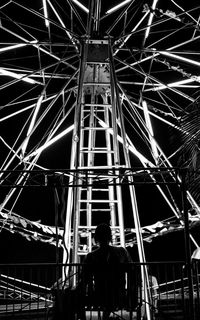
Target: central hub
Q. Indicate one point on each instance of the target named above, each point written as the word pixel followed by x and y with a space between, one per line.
pixel 97 73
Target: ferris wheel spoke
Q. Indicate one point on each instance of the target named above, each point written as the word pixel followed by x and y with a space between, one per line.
pixel 124 74
pixel 154 80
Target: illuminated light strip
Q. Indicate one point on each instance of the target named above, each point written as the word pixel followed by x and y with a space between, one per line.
pixel 10 148
pixel 24 109
pixel 150 20
pixel 175 56
pixel 45 13
pixel 135 28
pixel 23 281
pixel 193 202
pixel 156 53
pixel 184 95
pixel 60 20
pixel 23 177
pixel 13 47
pixel 145 162
pixel 41 118
pixel 63 25
pixel 17 76
pixel 130 147
pixel 34 43
pixel 150 133
pixel 38 105
pixel 70 128
pixel 49 143
pixel 157 84
pixel 80 5
pixel 174 84
pixel 118 6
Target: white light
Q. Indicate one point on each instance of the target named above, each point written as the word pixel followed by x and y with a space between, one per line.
pixel 135 28
pixel 49 143
pixel 57 15
pixel 131 147
pixel 150 19
pixel 15 46
pixel 45 13
pixel 196 254
pixel 60 20
pixel 16 76
pixel 118 6
pixel 175 56
pixel 32 123
pixel 80 5
pixel 24 109
pixel 175 84
pixel 150 128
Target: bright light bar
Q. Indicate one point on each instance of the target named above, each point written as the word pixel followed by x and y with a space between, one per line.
pixel 57 15
pixel 145 162
pixel 49 143
pixel 175 56
pixel 174 84
pixel 135 28
pixel 118 6
pixel 59 19
pixel 24 109
pixel 17 76
pixel 62 23
pixel 131 147
pixel 15 46
pixel 45 13
pixel 32 124
pixel 80 5
pixel 150 128
pixel 150 20
pixel 156 53
pixel 36 45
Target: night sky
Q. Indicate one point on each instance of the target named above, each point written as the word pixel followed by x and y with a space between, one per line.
pixel 23 25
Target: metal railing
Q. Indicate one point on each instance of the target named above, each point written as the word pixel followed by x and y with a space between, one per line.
pixel 37 291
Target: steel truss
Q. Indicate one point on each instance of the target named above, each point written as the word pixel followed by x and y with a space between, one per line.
pixel 112 77
pixel 119 176
pixel 66 179
pixel 98 178
pixel 104 63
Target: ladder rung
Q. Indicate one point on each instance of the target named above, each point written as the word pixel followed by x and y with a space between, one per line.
pixel 95 148
pixel 96 151
pixel 98 201
pixel 96 210
pixel 82 253
pixel 96 83
pixel 95 128
pixel 95 189
pixel 85 110
pixel 116 167
pixel 97 105
pixel 97 62
pixel 89 228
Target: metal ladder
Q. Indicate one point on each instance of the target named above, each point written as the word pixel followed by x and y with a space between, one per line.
pixel 96 146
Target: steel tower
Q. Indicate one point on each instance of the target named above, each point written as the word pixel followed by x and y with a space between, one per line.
pixel 118 74
pixel 99 142
pixel 129 72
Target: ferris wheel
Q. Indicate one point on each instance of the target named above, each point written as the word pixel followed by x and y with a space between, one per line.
pixel 91 92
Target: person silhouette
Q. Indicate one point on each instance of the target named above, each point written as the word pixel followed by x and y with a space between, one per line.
pixel 105 269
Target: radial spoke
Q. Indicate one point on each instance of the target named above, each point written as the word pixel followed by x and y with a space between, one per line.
pixel 82 81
